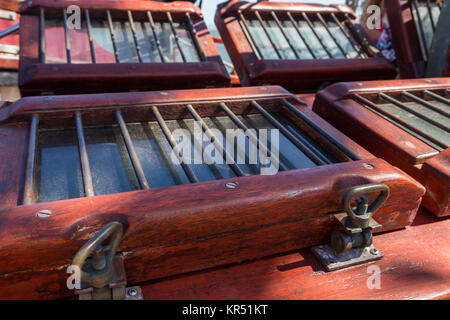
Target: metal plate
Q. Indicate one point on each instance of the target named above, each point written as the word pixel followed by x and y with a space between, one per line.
pixel 332 261
pixel 134 293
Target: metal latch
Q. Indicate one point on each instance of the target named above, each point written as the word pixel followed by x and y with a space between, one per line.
pixel 101 268
pixel 353 244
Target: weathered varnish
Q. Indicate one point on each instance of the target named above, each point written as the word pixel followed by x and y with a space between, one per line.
pixel 345 106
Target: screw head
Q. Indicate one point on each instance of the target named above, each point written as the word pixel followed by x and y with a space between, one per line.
pixel 231 185
pixel 368 166
pixel 374 251
pixel 132 292
pixel 44 213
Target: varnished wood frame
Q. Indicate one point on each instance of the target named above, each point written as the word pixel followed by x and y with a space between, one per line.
pixel 385 140
pixel 184 228
pixel 36 78
pixel 294 75
pixel 405 39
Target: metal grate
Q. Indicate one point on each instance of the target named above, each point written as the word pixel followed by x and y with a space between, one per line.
pixel 286 35
pixel 102 159
pixel 423 114
pixel 105 39
pixel 426 16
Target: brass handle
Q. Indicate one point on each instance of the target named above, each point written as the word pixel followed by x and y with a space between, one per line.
pixel 99 275
pixel 361 217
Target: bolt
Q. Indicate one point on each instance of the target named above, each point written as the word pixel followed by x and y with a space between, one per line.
pixel 374 251
pixel 44 213
pixel 132 292
pixel 368 166
pixel 231 185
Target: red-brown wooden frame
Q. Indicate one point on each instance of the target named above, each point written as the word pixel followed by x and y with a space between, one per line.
pixel 336 104
pixel 182 228
pixel 35 78
pixel 405 39
pixel 294 75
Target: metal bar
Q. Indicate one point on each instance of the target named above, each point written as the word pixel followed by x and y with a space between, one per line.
pixel 277 21
pixel 28 193
pixel 252 137
pixel 85 168
pixel 396 121
pixel 261 22
pixel 437 97
pixel 302 144
pixel 311 26
pixel 301 35
pixel 324 23
pixel 423 46
pixel 158 43
pixel 174 31
pixel 90 37
pixel 66 36
pixel 358 48
pixel 349 153
pixel 430 13
pixel 42 35
pixel 414 112
pixel 364 43
pixel 9 31
pixel 228 158
pixel 113 37
pixel 425 103
pixel 247 33
pixel 187 169
pixel 133 32
pixel 132 152
pixel 195 37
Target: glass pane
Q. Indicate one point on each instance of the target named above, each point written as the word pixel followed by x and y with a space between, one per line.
pixel 147 42
pixel 187 45
pixel 262 42
pixel 80 51
pixel 279 40
pixel 289 154
pixel 153 151
pixel 169 45
pixel 124 41
pixel 111 167
pixel 58 172
pixel 103 46
pixel 327 40
pixel 426 22
pixel 203 170
pixel 296 40
pixel 419 123
pixel 55 50
pixel 309 36
pixel 342 39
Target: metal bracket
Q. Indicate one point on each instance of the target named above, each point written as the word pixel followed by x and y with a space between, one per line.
pixel 352 243
pixel 333 261
pixel 102 270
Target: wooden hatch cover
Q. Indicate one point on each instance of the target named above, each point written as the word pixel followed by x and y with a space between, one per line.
pixel 118 46
pixel 298 46
pixel 75 163
pixel 405 122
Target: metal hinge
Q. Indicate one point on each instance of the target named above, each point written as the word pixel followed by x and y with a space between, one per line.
pixel 353 244
pixel 102 269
